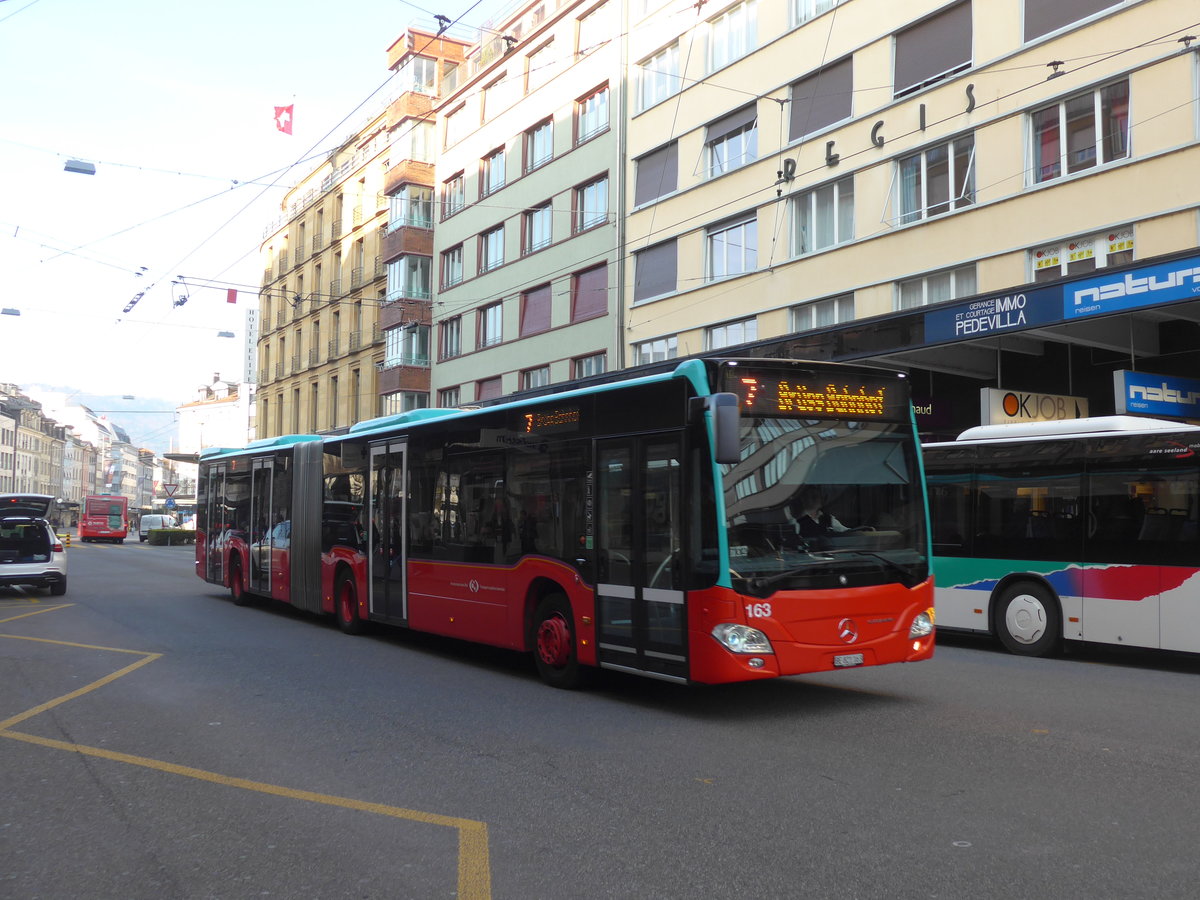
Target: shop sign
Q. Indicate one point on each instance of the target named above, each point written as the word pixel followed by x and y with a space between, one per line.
pixel 1147 394
pixel 1148 286
pixel 994 315
pixel 998 407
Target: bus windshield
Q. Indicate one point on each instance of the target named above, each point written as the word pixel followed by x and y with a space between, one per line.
pixel 824 503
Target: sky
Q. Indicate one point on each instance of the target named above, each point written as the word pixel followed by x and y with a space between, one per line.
pixel 174 105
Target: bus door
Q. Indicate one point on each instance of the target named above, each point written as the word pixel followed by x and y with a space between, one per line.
pixel 386 551
pixel 217 522
pixel 639 520
pixel 261 529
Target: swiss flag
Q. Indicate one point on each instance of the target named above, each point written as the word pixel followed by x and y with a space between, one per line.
pixel 283 118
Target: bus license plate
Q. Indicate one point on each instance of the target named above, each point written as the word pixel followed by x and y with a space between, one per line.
pixel 848 659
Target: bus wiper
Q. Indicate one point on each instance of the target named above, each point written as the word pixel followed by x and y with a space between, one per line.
pixel 765 581
pixel 906 577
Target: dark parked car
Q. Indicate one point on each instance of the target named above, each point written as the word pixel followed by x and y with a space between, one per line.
pixel 30 552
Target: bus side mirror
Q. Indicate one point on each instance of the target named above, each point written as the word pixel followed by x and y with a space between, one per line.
pixel 727 445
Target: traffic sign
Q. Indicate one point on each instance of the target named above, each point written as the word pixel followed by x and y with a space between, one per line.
pixel 170 489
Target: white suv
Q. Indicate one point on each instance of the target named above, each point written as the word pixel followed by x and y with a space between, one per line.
pixel 30 551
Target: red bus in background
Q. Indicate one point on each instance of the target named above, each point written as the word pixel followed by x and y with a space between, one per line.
pixel 105 517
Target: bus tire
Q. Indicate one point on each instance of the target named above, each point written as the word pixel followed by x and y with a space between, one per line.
pixel 237 583
pixel 554 646
pixel 345 605
pixel 1028 620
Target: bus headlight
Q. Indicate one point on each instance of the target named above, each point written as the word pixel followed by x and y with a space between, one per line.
pixel 922 625
pixel 742 639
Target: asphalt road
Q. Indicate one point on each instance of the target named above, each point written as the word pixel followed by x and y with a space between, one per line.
pixel 158 742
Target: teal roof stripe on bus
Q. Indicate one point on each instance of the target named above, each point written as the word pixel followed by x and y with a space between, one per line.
pixel 286 440
pixel 693 370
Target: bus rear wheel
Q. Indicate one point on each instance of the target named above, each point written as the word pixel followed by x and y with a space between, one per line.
pixel 554 648
pixel 1028 621
pixel 237 584
pixel 345 605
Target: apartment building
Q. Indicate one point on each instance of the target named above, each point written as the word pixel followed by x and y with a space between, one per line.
pixel 529 183
pixel 319 342
pixel 426 64
pixel 935 185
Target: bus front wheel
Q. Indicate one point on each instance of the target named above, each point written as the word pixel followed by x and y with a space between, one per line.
pixel 554 643
pixel 1028 621
pixel 345 604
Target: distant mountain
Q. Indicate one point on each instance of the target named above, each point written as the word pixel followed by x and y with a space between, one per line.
pixel 150 422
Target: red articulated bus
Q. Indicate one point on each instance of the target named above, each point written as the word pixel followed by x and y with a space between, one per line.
pixel 105 517
pixel 654 525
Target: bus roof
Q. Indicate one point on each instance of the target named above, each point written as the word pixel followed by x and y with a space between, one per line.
pixel 286 440
pixel 1095 426
pixel 692 370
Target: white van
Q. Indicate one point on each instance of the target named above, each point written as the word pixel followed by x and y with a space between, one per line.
pixel 155 521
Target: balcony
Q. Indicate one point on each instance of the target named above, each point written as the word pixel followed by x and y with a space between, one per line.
pixel 280 316
pixel 298 256
pixel 355 341
pixel 313 357
pixel 295 364
pixel 335 288
pixel 278 370
pixel 334 352
pixel 318 243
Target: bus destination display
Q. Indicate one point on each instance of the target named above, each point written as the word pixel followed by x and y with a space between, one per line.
pixel 816 395
pixel 550 421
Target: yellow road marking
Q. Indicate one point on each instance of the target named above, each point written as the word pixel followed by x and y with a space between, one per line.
pixel 474 867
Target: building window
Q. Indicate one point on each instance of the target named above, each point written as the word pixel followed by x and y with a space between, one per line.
pixel 414 140
pixel 407 345
pixel 452 266
pixel 488 388
pixel 659 77
pixel 823 313
pixel 454 195
pixel 594 29
pixel 583 366
pixel 1044 16
pixel 948 285
pixel 535 311
pixel 732 34
pixel 538 224
pixel 591 204
pixel 591 115
pixel 539 145
pixel 589 293
pixel 408 277
pixel 1082 255
pixel 654 271
pixel 492 176
pixel 448 398
pixel 937 180
pixel 450 338
pixel 411 206
pixel 820 99
pixel 730 334
pixel 732 141
pixel 1081 132
pixel 933 49
pixel 491 249
pixel 823 217
pixel 657 174
pixel 535 378
pixel 419 74
pixel 488 326
pixel 495 98
pixel 656 351
pixel 456 127
pixel 800 11
pixel 402 401
pixel 539 67
pixel 732 248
